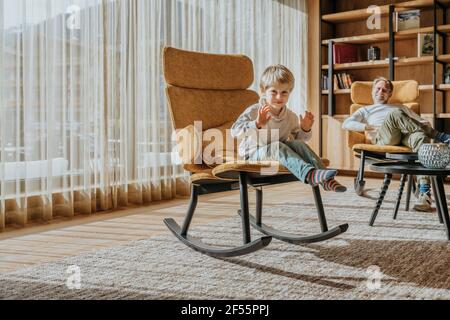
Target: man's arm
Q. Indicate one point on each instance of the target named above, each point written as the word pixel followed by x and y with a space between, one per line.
pixel 356 122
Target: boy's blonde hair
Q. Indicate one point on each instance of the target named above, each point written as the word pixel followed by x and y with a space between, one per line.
pixel 276 75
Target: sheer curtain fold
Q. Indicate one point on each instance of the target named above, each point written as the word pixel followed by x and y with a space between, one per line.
pixel 84 124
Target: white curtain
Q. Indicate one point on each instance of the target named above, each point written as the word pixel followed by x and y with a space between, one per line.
pixel 84 126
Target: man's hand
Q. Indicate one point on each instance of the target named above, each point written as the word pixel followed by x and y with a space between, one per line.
pixel 264 116
pixel 307 121
pixel 370 128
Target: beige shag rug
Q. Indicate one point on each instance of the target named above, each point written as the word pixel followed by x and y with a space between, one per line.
pixel 404 259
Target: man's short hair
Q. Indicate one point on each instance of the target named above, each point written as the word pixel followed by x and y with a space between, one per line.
pixel 276 75
pixel 387 81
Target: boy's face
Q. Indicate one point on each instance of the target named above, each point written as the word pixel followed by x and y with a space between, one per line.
pixel 278 95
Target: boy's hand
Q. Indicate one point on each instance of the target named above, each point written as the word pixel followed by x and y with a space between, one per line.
pixel 307 121
pixel 263 116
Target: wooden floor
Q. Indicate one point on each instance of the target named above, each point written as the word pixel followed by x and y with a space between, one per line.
pixel 33 245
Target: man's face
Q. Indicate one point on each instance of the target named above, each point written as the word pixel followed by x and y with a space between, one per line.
pixel 381 92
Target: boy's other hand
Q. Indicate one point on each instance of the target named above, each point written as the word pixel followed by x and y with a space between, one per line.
pixel 307 121
pixel 264 116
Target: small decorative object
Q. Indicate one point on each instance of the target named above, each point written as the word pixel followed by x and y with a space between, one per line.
pixel 425 45
pixel 434 155
pixel 447 76
pixel 406 20
pixel 373 53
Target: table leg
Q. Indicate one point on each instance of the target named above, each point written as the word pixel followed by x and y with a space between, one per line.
pixel 441 201
pixel 438 207
pixel 384 188
pixel 399 197
pixel 409 190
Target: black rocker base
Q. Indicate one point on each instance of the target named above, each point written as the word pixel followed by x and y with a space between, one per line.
pixel 198 245
pixel 293 238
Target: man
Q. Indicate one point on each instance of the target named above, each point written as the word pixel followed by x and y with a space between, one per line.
pixel 392 125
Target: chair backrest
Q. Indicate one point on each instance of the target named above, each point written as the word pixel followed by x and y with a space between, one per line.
pixel 211 88
pixel 405 92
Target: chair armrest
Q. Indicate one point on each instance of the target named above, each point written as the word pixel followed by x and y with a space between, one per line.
pixel 355 138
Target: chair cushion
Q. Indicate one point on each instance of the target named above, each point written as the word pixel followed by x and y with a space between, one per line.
pixel 230 171
pixel 197 168
pixel 257 168
pixel 381 149
pixel 204 178
pixel 198 70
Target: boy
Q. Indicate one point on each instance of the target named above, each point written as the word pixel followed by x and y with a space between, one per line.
pixel 388 124
pixel 276 85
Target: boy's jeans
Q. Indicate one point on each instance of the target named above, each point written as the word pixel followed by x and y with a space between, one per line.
pixel 295 155
pixel 398 128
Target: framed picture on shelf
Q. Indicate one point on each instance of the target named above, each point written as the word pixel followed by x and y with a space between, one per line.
pixel 425 44
pixel 406 20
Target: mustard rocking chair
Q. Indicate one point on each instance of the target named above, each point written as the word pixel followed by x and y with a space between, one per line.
pixel 212 89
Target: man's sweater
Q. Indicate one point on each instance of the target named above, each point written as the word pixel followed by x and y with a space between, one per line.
pixel 375 115
pixel 286 123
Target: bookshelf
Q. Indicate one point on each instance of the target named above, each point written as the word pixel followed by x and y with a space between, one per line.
pixel 346 22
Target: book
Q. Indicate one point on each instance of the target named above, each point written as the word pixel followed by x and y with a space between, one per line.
pixel 335 83
pixel 406 20
pixel 344 53
pixel 425 44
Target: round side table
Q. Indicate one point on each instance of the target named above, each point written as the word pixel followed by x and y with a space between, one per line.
pixel 409 168
pixel 409 157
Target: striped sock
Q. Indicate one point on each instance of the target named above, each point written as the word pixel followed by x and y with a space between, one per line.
pixel 315 177
pixel 333 185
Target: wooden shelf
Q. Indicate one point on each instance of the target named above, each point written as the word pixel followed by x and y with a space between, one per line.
pixel 445 87
pixel 429 87
pixel 444 57
pixel 362 14
pixel 425 87
pixel 363 39
pixel 340 91
pixel 352 15
pixel 443 116
pixel 383 37
pixel 414 61
pixel 382 63
pixel 359 65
